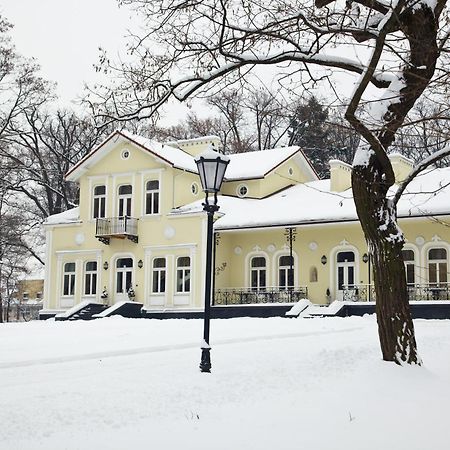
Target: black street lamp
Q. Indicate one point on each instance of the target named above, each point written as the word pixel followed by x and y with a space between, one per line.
pixel 211 169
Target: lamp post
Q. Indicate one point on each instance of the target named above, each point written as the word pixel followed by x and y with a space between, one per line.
pixel 211 169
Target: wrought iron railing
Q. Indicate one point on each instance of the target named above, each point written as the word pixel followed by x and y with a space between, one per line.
pixel 431 291
pixel 416 292
pixel 249 296
pixel 124 226
pixel 358 293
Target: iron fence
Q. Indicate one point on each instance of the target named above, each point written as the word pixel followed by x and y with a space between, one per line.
pixel 249 296
pixel 416 292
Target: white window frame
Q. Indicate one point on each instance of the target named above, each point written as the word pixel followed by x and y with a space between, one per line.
pixel 71 277
pixel 127 198
pixel 152 193
pixel 185 272
pixel 158 274
pixel 286 270
pixel 90 279
pixel 437 262
pixel 100 198
pixel 258 270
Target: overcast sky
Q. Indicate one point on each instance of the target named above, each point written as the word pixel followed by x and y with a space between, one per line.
pixel 64 36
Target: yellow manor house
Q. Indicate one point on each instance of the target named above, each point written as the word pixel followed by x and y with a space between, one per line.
pixel 284 241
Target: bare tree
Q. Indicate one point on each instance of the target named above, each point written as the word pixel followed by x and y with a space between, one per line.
pixel 201 43
pixel 40 147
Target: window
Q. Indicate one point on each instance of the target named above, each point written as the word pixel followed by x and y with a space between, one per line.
pixel 194 188
pixel 242 190
pixel 99 209
pixel 125 193
pixel 258 273
pixel 125 154
pixel 184 274
pixel 152 197
pixel 69 279
pixel 285 272
pixel 437 266
pixel 90 278
pixel 408 259
pixel 159 275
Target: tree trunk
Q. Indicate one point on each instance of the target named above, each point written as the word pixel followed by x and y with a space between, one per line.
pixel 385 240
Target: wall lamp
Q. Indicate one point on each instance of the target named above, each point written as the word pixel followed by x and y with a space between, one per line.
pixel 323 260
pixel 105 265
pixel 140 264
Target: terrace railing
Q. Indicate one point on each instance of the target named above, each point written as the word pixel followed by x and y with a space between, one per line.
pixel 249 296
pixel 116 227
pixel 416 292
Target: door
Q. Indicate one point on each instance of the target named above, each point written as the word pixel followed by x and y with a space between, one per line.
pixel 125 195
pixel 345 275
pixel 124 278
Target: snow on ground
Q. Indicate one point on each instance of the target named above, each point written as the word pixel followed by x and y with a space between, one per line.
pixel 281 384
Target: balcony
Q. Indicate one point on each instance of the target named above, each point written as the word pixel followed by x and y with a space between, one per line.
pixel 249 296
pixel 416 292
pixel 116 227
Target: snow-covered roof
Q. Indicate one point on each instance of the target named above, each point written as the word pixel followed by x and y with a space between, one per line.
pixel 314 202
pixel 69 216
pixel 248 165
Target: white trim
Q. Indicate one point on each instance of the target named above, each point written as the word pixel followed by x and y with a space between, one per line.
pixel 48 267
pixel 144 179
pixel 168 247
pixel 424 254
pixel 417 262
pixel 69 252
pixel 112 273
pixel 333 265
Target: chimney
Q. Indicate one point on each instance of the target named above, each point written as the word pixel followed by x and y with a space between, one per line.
pixel 402 166
pixel 340 175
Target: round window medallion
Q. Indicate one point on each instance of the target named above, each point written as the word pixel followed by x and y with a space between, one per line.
pixel 420 240
pixel 79 238
pixel 194 188
pixel 242 190
pixel 169 232
pixel 125 154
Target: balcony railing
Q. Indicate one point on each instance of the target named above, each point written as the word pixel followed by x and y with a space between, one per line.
pixel 116 227
pixel 249 296
pixel 416 292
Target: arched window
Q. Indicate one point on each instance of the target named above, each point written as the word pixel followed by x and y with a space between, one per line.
pixel 90 278
pixel 409 260
pixel 99 207
pixel 258 273
pixel 159 275
pixel 285 272
pixel 152 197
pixel 69 279
pixel 437 266
pixel 125 195
pixel 184 274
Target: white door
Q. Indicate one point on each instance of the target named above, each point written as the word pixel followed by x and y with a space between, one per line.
pixel 345 274
pixel 125 195
pixel 124 278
